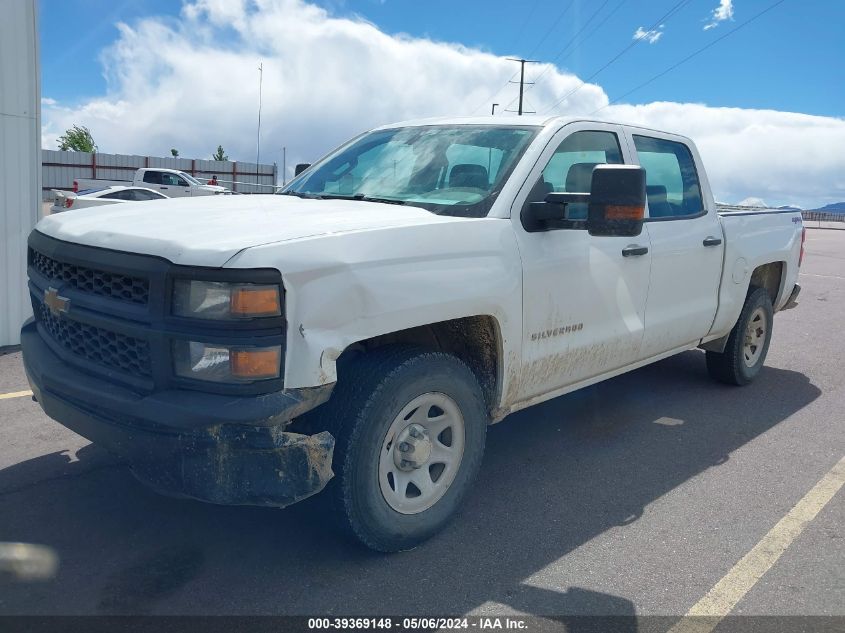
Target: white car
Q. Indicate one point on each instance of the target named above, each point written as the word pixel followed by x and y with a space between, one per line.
pixel 421 282
pixel 66 200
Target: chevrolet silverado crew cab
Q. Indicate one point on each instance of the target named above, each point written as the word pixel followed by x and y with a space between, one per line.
pixel 367 323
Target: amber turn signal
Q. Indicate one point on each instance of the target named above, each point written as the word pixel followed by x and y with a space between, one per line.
pixel 624 212
pixel 255 301
pixel 254 364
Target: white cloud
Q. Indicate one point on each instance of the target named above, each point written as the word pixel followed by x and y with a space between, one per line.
pixel 194 84
pixel 650 36
pixel 783 157
pixel 725 11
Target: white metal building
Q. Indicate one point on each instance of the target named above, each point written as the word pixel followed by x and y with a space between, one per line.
pixel 20 157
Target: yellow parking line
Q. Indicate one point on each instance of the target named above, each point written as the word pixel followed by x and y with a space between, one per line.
pixel 15 394
pixel 725 595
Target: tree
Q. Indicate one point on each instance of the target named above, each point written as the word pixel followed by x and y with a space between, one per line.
pixel 219 154
pixel 77 139
pixel 174 153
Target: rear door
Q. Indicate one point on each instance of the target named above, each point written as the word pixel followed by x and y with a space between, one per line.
pixel 583 300
pixel 686 243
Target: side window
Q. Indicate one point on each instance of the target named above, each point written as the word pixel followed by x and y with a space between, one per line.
pixel 671 179
pixel 570 168
pixel 153 177
pixel 140 194
pixel 117 195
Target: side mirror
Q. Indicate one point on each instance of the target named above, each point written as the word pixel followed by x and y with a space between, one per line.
pixel 301 167
pixel 617 200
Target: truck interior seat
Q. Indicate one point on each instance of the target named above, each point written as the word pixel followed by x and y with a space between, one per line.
pixel 468 175
pixel 579 178
pixel 658 205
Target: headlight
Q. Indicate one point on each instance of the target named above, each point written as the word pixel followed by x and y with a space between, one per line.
pixel 219 300
pixel 221 363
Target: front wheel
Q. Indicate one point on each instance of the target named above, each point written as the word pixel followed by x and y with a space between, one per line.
pixel 410 434
pixel 748 343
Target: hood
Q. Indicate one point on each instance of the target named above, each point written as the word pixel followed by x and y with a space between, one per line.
pixel 208 231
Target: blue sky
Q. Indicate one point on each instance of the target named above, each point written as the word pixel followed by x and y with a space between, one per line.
pixel 790 59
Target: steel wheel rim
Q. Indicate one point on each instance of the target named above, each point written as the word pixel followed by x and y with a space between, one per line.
pixel 431 430
pixel 755 337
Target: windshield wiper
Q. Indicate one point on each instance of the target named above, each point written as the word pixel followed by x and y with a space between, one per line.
pixel 358 196
pixel 299 194
pixel 337 196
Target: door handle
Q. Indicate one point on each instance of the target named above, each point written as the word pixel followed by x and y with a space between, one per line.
pixel 712 241
pixel 162 188
pixel 634 250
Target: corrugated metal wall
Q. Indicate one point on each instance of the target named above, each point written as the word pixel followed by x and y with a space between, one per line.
pixel 20 140
pixel 59 169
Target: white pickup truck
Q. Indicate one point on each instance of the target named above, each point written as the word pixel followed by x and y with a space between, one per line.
pixel 170 182
pixel 419 283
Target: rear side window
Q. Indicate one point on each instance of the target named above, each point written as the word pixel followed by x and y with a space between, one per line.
pixel 140 194
pixel 671 179
pixel 153 177
pixel 123 194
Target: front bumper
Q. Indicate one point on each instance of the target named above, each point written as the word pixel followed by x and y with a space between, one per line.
pixel 224 449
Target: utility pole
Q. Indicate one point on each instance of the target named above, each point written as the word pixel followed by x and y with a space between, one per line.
pixel 284 166
pixel 522 63
pixel 493 111
pixel 258 140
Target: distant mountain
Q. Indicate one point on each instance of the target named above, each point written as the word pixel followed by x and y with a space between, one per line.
pixel 752 202
pixel 788 207
pixel 835 207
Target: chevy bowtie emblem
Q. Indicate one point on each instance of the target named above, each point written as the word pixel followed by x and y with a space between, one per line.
pixel 55 302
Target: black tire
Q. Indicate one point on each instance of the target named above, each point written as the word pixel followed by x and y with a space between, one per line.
pixel 730 366
pixel 371 391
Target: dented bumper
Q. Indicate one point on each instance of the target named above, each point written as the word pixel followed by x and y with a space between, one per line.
pixel 220 449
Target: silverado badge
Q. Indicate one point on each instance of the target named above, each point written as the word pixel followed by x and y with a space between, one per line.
pixel 55 302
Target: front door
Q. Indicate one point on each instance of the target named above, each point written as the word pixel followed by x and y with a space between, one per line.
pixel 584 300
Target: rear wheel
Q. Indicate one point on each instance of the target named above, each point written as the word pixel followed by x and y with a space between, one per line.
pixel 748 343
pixel 410 426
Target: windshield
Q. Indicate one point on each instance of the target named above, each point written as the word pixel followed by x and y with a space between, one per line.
pixel 189 178
pixel 450 170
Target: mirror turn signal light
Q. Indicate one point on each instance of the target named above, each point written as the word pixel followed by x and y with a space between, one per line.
pixel 624 212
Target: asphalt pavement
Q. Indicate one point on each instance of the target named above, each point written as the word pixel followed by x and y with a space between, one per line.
pixel 635 496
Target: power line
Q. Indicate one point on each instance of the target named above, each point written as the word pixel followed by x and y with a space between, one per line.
pixel 572 43
pixel 494 95
pixel 691 55
pixel 521 30
pixel 581 30
pixel 671 12
pixel 552 27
